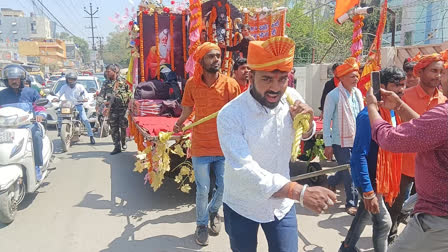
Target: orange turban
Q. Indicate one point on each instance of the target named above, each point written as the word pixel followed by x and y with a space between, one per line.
pixel 426 60
pixel 350 65
pixel 276 53
pixel 200 52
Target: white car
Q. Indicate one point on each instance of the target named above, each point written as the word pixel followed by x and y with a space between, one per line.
pixel 52 80
pixel 90 83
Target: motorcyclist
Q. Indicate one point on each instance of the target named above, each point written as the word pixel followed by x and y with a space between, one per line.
pixel 17 95
pixel 75 93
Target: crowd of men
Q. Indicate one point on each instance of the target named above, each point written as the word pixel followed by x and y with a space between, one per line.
pixel 389 144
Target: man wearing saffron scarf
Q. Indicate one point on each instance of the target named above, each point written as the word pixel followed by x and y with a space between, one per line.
pixel 370 164
pixel 342 105
pixel 428 136
pixel 420 98
pixel 256 135
pixel 207 91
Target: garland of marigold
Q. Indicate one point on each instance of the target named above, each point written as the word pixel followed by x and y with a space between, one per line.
pixel 156 26
pixel 195 17
pixel 270 25
pixel 229 39
pixel 172 41
pixel 211 21
pixel 142 58
pixel 246 18
pixel 184 42
pixel 282 24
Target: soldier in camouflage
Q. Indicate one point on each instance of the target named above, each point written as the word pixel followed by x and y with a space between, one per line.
pixel 116 95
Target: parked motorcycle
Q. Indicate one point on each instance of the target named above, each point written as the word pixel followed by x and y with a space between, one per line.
pixel 17 166
pixel 71 125
pixel 102 125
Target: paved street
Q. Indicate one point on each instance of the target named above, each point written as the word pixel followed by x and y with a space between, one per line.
pixel 95 202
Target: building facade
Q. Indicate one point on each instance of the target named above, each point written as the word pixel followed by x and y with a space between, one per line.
pixel 50 52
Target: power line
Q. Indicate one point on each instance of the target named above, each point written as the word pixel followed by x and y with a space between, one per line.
pixel 57 20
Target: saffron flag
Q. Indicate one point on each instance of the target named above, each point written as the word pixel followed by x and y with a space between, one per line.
pixel 342 7
pixel 374 58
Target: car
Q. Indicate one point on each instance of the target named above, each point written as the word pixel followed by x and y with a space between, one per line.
pixel 100 77
pixel 39 79
pixel 90 83
pixel 35 82
pixel 52 80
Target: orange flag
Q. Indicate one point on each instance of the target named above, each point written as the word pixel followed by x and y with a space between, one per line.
pixel 342 6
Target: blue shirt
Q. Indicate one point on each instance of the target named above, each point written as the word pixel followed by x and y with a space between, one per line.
pixel 25 96
pixel 364 155
pixel 331 131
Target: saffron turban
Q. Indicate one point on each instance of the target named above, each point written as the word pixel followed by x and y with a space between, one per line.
pixel 276 53
pixel 426 60
pixel 200 52
pixel 350 65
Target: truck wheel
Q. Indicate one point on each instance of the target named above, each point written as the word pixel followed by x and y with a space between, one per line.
pixel 8 207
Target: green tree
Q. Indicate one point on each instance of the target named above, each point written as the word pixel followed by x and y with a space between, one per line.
pixel 116 49
pixel 83 48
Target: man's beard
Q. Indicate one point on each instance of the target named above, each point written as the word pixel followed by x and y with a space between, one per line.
pixel 262 98
pixel 212 69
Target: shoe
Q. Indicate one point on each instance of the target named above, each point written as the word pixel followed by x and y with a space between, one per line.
pixel 124 146
pixel 92 140
pixel 201 235
pixel 116 150
pixel 38 173
pixel 215 223
pixel 351 211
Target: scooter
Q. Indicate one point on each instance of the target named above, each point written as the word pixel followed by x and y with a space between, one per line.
pixel 17 167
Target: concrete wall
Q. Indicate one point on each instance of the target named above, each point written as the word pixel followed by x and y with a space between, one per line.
pixel 310 83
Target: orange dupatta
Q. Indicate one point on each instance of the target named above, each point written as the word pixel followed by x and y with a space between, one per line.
pixel 388 171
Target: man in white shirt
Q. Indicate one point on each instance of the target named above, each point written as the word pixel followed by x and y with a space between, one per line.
pixel 75 93
pixel 256 135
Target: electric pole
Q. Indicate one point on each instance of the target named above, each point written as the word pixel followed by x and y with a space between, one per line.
pixel 92 16
pixel 101 51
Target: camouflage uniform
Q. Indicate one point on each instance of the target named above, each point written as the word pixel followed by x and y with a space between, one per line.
pixel 118 94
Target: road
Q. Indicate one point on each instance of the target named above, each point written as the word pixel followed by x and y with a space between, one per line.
pixel 95 202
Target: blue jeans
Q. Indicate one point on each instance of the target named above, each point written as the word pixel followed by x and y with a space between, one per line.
pixel 83 117
pixel 38 145
pixel 282 235
pixel 381 226
pixel 202 166
pixel 343 157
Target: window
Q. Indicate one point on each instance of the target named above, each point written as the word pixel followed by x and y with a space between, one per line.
pixel 33 27
pixel 14 23
pixel 408 38
pixel 14 32
pixel 16 40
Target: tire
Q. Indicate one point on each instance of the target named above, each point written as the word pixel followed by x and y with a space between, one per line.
pixel 8 208
pixel 65 137
pixel 315 181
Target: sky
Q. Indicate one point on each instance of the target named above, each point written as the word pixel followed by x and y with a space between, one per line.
pixel 71 13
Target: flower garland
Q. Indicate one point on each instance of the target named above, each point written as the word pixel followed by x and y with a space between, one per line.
pixel 269 26
pixel 172 18
pixel 246 18
pixel 184 42
pixel 357 44
pixel 211 21
pixel 228 55
pixel 156 26
pixel 142 58
pixel 282 24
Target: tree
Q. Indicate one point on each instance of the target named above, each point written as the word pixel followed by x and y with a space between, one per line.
pixel 116 49
pixel 316 31
pixel 83 48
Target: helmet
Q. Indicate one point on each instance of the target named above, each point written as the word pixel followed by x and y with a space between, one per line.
pixel 13 72
pixel 71 75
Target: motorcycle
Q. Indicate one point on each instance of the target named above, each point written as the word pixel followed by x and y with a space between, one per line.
pixel 102 125
pixel 17 166
pixel 71 125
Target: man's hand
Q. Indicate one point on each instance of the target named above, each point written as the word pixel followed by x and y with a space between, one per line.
pixel 177 128
pixel 318 198
pixel 106 112
pixel 372 205
pixel 301 108
pixel 39 118
pixel 328 153
pixel 85 100
pixel 55 100
pixel 371 99
pixel 389 100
